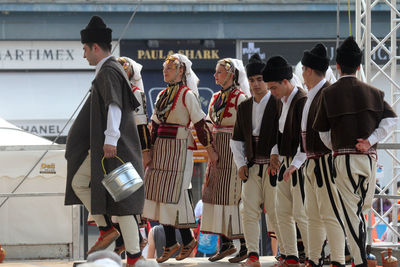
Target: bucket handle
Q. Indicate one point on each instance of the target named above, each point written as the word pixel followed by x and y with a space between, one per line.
pixel 102 162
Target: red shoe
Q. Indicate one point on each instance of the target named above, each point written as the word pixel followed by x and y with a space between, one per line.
pixel 141 258
pixel 291 263
pixel 251 262
pixel 280 260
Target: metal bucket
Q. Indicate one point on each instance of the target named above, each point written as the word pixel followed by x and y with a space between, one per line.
pixel 122 181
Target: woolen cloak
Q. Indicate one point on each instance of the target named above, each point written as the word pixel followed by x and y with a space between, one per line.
pixel 110 85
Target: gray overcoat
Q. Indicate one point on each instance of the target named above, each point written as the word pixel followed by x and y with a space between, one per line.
pixel 110 85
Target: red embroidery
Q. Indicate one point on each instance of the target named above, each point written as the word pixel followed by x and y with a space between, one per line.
pixel 162 92
pixel 134 88
pixel 212 102
pixel 183 97
pixel 177 96
pixel 234 94
pixel 237 99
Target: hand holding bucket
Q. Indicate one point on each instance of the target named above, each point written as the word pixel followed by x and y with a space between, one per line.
pixel 122 181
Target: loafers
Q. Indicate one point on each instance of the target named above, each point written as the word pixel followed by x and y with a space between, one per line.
pixel 242 255
pixel 222 254
pixel 168 252
pixel 105 240
pixel 186 250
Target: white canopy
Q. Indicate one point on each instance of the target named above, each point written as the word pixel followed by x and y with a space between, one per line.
pixel 11 135
pixel 32 220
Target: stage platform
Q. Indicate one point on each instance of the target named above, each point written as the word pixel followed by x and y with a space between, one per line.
pixel 265 262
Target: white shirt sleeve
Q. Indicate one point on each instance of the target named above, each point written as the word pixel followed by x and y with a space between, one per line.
pixel 274 150
pixel 326 139
pixel 237 148
pixel 299 158
pixel 385 127
pixel 112 132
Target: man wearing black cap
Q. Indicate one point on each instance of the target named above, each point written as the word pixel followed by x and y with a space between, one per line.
pixel 352 118
pixel 105 126
pixel 290 192
pixel 322 202
pixel 254 136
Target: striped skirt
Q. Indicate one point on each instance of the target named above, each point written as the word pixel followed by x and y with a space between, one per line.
pixel 223 186
pixel 163 180
pixel 168 198
pixel 222 191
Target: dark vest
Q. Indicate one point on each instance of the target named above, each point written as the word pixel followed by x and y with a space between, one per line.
pixel 351 109
pixel 289 141
pixel 313 141
pixel 269 126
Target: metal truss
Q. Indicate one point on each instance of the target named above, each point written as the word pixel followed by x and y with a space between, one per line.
pixel 371 70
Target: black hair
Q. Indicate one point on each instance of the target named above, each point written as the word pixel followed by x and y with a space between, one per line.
pixel 348 70
pixel 106 47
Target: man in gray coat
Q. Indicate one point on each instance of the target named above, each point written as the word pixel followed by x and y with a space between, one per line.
pixel 105 127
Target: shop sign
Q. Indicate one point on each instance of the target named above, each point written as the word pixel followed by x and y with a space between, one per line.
pixel 27 55
pixel 204 54
pixel 43 127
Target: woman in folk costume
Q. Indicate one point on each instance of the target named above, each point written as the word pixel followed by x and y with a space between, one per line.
pixel 167 180
pixel 222 188
pixel 133 69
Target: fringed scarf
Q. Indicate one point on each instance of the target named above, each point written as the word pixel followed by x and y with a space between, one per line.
pixel 165 102
pixel 217 108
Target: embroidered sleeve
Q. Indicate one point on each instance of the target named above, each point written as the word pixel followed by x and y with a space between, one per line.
pixel 203 133
pixel 154 130
pixel 144 135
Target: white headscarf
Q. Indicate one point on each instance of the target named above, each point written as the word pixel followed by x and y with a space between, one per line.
pixel 296 81
pixel 242 79
pixel 136 79
pixel 192 80
pixel 329 75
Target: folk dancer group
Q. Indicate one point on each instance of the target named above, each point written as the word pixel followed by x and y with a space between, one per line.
pixel 308 157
